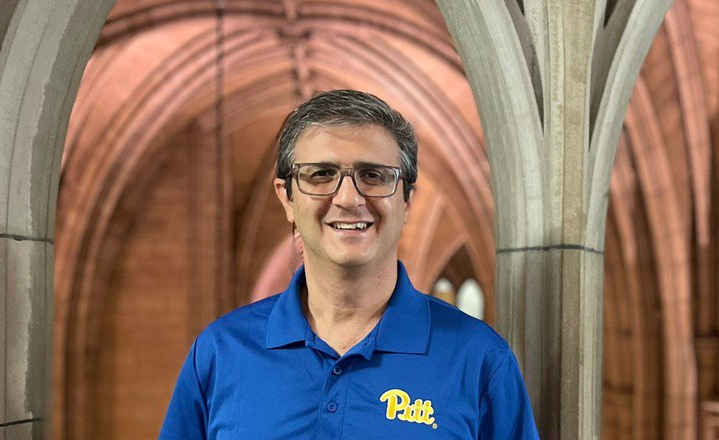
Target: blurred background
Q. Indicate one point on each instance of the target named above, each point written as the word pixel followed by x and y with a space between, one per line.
pixel 167 218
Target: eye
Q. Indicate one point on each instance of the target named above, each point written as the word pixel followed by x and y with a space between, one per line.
pixel 321 173
pixel 375 176
pixel 317 174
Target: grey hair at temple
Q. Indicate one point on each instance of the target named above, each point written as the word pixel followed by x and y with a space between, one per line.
pixel 348 107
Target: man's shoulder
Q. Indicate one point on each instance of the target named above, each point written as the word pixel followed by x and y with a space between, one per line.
pixel 243 318
pixel 448 320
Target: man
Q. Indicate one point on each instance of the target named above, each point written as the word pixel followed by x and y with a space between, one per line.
pixel 350 350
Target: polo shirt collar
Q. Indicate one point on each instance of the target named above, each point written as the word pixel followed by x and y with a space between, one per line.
pixel 403 328
pixel 287 323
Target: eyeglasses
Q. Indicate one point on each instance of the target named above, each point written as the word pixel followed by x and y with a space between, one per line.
pixel 322 179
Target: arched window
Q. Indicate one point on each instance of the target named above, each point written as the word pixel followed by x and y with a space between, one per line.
pixel 444 290
pixel 470 299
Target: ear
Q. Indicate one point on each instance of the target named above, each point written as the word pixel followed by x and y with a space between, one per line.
pixel 281 192
pixel 408 204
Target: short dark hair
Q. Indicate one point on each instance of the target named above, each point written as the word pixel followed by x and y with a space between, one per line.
pixel 347 107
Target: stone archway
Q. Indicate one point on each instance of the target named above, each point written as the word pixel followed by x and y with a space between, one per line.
pixel 45 47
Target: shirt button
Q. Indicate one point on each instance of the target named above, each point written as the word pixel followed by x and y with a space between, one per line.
pixel 337 369
pixel 332 407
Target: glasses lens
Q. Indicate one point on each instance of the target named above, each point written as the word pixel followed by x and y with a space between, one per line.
pixel 317 179
pixel 376 181
pixel 322 180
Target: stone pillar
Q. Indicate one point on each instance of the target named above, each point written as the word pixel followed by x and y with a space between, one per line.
pixel 45 47
pixel 552 80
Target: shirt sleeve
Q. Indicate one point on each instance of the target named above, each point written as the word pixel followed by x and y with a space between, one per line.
pixel 186 417
pixel 504 409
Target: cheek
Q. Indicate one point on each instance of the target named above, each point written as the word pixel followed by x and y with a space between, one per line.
pixel 309 214
pixel 393 214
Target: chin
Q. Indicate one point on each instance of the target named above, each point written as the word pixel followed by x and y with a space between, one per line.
pixel 352 260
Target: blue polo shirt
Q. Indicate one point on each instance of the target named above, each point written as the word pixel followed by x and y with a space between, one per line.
pixel 426 371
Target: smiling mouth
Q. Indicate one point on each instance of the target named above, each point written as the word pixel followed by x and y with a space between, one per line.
pixel 356 226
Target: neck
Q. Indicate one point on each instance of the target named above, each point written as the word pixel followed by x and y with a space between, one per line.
pixel 346 303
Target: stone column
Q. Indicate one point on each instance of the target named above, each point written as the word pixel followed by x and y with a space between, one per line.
pixel 552 80
pixel 45 47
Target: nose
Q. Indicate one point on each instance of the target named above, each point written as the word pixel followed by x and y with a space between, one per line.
pixel 347 194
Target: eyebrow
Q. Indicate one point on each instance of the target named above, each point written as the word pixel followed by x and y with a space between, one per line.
pixel 361 164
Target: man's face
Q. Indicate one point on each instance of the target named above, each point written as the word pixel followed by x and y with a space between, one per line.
pixel 316 217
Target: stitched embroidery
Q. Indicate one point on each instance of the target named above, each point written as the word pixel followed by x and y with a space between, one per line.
pixel 398 406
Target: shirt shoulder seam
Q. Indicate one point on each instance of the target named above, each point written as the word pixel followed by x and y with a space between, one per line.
pixel 495 374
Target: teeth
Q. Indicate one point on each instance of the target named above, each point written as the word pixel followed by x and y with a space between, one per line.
pixel 360 225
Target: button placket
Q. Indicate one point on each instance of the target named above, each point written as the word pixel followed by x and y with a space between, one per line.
pixel 332 405
pixel 334 400
pixel 333 381
pixel 333 385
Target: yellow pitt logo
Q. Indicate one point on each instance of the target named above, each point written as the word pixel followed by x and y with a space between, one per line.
pixel 398 405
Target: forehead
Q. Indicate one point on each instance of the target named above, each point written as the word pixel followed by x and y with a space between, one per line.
pixel 347 144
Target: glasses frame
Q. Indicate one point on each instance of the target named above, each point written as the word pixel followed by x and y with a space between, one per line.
pixel 351 171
